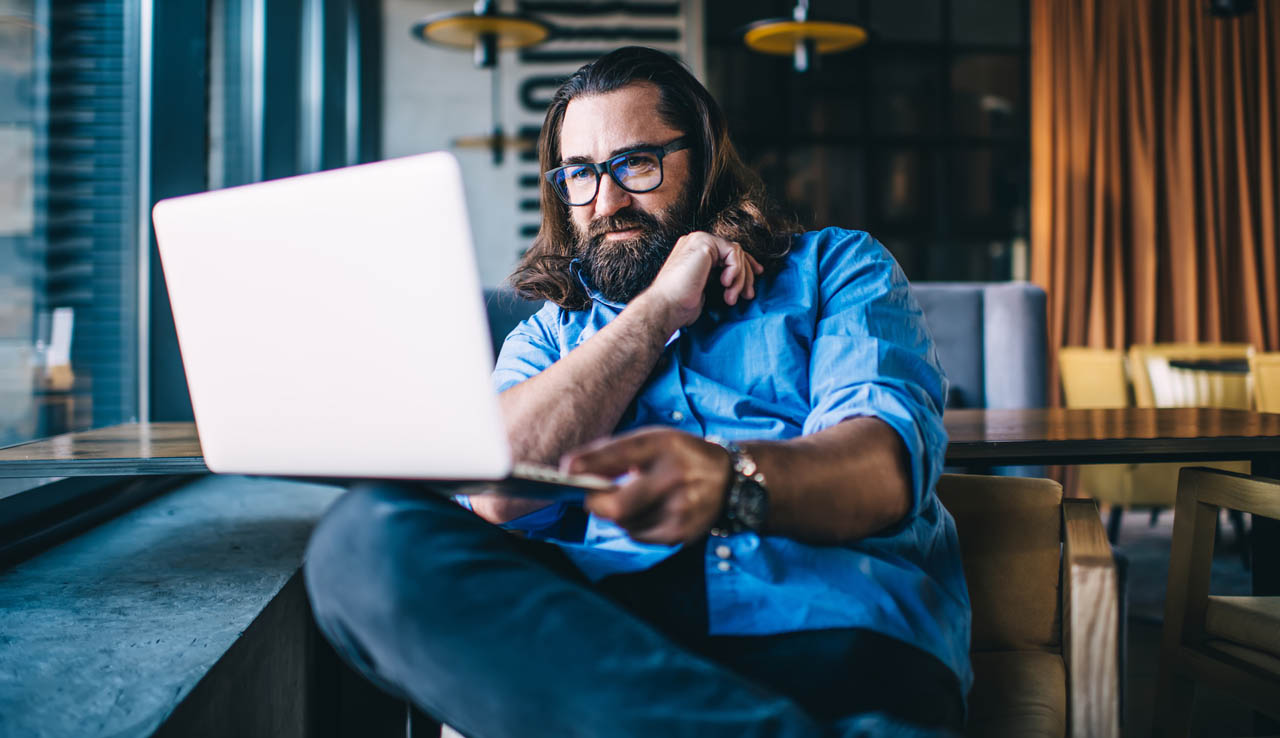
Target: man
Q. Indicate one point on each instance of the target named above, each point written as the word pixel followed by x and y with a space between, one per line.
pixel 799 580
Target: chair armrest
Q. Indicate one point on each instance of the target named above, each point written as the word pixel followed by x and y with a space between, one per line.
pixel 1090 622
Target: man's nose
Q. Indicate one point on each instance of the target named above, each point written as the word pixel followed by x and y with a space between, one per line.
pixel 611 198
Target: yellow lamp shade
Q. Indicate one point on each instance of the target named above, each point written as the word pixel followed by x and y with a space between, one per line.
pixel 464 30
pixel 781 36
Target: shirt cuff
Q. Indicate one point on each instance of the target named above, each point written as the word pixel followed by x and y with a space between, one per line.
pixel 537 520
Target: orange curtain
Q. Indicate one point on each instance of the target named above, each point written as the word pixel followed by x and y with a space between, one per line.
pixel 1154 131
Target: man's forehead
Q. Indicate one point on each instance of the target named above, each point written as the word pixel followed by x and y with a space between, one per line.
pixel 594 126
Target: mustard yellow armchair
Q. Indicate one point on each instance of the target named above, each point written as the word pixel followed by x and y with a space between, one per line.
pixel 1042 584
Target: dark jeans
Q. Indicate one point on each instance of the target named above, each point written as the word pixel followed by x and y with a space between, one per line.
pixel 502 636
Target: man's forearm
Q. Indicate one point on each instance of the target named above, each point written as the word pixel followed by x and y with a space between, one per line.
pixel 582 396
pixel 844 483
pixel 579 398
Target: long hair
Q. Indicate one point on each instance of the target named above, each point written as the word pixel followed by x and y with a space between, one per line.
pixel 731 203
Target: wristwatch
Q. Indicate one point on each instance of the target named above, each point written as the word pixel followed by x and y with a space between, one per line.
pixel 746 500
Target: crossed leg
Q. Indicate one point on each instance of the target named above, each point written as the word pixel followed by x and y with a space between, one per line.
pixel 500 636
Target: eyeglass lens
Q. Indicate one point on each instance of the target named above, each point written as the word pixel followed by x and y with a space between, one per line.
pixel 636 172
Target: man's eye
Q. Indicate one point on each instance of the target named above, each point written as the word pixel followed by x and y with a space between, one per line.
pixel 638 162
pixel 580 174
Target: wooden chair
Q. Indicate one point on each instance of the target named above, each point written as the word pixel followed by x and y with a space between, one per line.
pixel 1149 364
pixel 1042 585
pixel 1154 485
pixel 1265 369
pixel 1093 377
pixel 1230 642
pixel 1098 378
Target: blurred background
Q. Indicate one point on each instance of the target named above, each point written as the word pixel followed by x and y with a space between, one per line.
pixel 919 136
pixel 1141 135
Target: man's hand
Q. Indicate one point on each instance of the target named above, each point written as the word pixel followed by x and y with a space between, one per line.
pixel 676 486
pixel 680 284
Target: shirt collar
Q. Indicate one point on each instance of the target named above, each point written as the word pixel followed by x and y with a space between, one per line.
pixel 575 268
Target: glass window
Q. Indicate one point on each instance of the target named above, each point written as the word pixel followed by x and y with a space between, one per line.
pixel 903 186
pixel 986 95
pixel 987 22
pixel 987 190
pixel 905 94
pixel 828 99
pixel 920 136
pixel 826 183
pixel 68 217
pixel 906 20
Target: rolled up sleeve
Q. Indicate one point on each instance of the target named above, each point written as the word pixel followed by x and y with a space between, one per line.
pixel 873 355
pixel 530 348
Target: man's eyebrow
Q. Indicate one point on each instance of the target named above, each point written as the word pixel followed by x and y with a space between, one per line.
pixel 620 150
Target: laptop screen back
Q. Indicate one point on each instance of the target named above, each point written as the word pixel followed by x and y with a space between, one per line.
pixel 333 324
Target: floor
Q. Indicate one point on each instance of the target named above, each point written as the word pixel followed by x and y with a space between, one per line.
pixel 1147 547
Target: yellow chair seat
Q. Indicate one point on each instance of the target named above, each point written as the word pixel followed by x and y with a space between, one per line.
pixel 1018 693
pixel 1253 622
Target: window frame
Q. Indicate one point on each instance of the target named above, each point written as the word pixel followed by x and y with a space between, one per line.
pixel 172 160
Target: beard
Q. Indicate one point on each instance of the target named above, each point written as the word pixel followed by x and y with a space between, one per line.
pixel 620 270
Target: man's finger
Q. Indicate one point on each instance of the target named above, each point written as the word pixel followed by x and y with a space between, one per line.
pixel 630 500
pixel 730 273
pixel 610 456
pixel 666 531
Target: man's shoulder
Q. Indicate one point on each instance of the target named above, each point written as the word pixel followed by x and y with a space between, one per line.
pixel 837 250
pixel 834 240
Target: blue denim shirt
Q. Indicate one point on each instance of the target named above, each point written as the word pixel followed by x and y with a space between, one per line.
pixel 834 334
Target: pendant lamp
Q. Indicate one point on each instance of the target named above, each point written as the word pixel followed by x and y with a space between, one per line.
pixel 484 30
pixel 801 38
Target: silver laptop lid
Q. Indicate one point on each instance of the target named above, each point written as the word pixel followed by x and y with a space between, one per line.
pixel 333 324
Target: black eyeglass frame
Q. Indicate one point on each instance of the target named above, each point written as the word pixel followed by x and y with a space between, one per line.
pixel 606 167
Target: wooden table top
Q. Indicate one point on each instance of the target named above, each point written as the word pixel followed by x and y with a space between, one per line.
pixel 978 438
pixel 1122 435
pixel 117 450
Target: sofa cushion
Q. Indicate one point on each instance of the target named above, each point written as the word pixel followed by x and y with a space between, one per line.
pixel 1018 693
pixel 506 310
pixel 1010 529
pixel 1015 345
pixel 953 313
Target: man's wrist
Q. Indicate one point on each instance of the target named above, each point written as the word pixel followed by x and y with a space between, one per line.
pixel 745 506
pixel 655 311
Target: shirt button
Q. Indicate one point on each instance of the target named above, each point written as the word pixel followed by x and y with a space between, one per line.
pixel 724 552
pixel 677 416
pixel 723 566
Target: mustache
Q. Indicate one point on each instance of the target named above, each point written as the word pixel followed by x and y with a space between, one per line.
pixel 621 221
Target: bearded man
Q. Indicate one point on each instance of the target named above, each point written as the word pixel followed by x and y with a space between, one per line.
pixel 772 561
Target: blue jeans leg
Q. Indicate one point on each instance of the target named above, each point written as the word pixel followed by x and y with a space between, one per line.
pixel 500 636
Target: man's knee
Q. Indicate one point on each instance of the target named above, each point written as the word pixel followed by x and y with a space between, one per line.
pixel 381 541
pixel 353 553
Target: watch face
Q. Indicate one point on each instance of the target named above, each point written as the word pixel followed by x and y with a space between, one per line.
pixel 753 505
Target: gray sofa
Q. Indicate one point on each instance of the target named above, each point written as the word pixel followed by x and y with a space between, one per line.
pixel 990 337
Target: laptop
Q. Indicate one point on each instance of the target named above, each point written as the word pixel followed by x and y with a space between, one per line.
pixel 333 326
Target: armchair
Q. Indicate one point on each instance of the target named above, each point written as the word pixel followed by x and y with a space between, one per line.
pixel 1042 585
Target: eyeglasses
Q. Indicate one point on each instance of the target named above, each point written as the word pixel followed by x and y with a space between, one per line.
pixel 636 171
